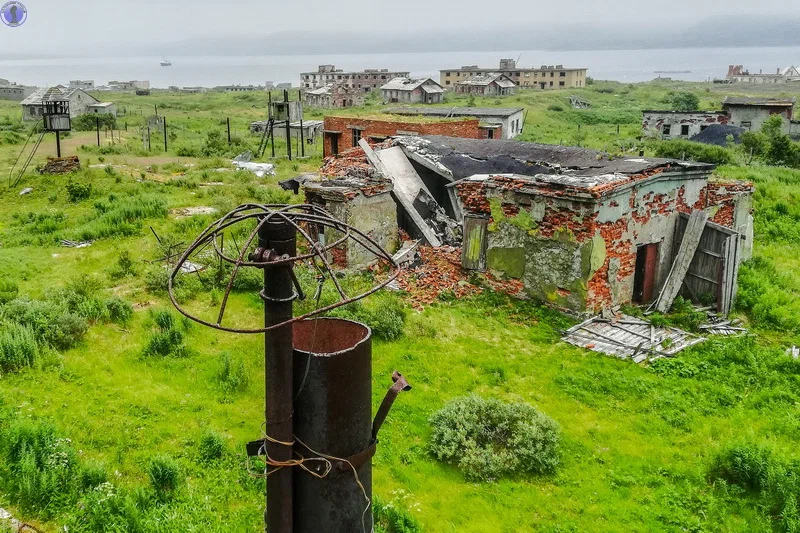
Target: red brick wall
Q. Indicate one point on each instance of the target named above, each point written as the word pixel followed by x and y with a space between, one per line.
pixel 384 128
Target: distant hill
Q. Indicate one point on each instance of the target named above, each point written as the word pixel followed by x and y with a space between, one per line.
pixel 716 32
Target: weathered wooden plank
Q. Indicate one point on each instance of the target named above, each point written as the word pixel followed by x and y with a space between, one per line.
pixel 686 252
pixel 473 250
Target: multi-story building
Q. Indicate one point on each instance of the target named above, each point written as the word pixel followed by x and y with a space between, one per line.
pixel 545 78
pixel 365 81
pixel 86 85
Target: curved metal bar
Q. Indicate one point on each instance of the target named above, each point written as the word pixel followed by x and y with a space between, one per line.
pixel 294 215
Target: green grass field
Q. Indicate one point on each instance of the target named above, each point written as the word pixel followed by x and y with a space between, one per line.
pixel 638 442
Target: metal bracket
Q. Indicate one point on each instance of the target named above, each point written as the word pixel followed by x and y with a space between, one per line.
pixel 400 385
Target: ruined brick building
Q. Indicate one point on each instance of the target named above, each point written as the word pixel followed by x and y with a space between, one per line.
pixel 585 231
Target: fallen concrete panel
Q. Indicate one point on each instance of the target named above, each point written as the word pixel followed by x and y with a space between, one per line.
pixel 629 337
pixel 407 186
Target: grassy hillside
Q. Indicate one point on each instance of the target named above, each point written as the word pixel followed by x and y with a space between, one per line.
pixel 156 442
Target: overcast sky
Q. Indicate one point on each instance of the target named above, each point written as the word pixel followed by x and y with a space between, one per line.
pixel 65 26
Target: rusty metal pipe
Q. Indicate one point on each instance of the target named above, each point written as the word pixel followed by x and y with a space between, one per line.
pixel 276 239
pixel 333 388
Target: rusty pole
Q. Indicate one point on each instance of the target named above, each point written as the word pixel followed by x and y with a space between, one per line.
pixel 276 239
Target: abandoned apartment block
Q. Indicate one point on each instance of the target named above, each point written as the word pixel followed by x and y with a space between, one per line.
pixel 583 231
pixel 548 77
pixel 364 81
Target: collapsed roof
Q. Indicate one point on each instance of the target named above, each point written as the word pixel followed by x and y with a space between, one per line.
pixel 580 169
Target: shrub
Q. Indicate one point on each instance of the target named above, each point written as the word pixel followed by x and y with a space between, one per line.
pixel 78 191
pixel 124 267
pixel 88 121
pixel 119 310
pixel 211 446
pixel 52 324
pixel 92 475
pixel 384 314
pixel 488 439
pixel 232 374
pixel 771 480
pixel 390 518
pixel 168 339
pixel 685 101
pixel 42 467
pixel 165 476
pixel 8 290
pixel 18 348
pixel 682 149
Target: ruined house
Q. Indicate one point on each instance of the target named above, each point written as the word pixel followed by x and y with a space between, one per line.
pixel 489 84
pixel 80 102
pixel 412 91
pixel 341 133
pixel 584 231
pixel 680 124
pixel 364 201
pixel 741 112
pixel 497 122
pixel 333 95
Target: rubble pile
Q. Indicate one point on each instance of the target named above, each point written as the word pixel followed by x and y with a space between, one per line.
pixel 351 162
pixel 61 165
pixel 438 272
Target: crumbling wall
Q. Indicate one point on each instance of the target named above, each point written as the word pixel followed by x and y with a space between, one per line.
pixel 467 128
pixel 653 122
pixel 581 255
pixel 730 204
pixel 371 212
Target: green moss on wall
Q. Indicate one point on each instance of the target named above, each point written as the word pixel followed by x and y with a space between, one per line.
pixel 510 261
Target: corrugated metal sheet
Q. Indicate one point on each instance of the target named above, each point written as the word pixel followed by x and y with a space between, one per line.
pixel 629 337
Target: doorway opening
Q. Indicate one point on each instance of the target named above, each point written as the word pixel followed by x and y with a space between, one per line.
pixel 644 278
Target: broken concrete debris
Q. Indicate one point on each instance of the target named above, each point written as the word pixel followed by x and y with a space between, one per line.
pixel 26 190
pixel 629 337
pixel 259 169
pixel 184 212
pixel 793 352
pixel 61 165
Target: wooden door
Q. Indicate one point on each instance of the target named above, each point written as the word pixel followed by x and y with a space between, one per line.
pixel 650 264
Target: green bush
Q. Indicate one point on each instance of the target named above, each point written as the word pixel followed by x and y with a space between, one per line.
pixel 164 474
pixel 211 446
pixel 766 295
pixel 121 217
pixel 8 290
pixel 92 475
pixel 78 191
pixel 18 348
pixel 41 465
pixel 390 518
pixel 773 481
pixel 488 439
pixel 105 508
pixel 688 150
pixel 88 122
pixel 119 310
pixel 232 374
pixel 168 338
pixel 124 267
pixel 384 314
pixel 51 324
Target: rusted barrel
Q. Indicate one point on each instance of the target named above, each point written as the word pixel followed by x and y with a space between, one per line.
pixel 333 416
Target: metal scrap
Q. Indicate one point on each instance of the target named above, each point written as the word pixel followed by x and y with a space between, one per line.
pixel 628 337
pixel 73 244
